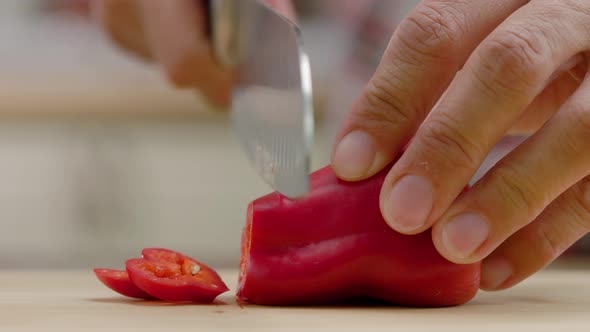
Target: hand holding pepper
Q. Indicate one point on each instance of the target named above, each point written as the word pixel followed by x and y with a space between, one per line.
pixel 457 77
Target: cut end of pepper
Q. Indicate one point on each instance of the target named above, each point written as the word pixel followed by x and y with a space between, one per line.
pixel 245 252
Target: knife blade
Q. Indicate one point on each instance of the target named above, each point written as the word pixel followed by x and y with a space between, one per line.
pixel 271 107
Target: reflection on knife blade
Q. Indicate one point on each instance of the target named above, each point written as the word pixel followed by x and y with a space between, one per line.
pixel 273 139
pixel 272 98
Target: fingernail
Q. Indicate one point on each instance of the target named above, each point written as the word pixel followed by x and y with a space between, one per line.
pixel 409 203
pixel 463 234
pixel 495 272
pixel 354 155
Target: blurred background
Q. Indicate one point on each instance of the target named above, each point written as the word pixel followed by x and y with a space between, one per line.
pixel 100 157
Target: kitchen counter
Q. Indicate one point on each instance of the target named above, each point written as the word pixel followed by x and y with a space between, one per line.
pixel 75 300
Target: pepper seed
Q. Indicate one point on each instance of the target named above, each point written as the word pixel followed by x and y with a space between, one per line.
pixel 195 269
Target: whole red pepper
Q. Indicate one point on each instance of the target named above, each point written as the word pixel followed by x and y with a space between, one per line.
pixel 334 245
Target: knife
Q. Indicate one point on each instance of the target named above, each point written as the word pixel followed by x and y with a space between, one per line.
pixel 271 106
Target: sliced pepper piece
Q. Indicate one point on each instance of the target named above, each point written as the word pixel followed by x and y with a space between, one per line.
pixel 171 276
pixel 119 282
pixel 334 245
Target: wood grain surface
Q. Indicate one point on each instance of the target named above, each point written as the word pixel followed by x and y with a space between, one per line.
pixel 77 301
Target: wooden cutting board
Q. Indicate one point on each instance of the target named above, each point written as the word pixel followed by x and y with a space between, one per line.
pixel 76 300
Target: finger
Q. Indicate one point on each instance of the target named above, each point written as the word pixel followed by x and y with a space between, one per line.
pixel 532 248
pixel 178 39
pixel 502 77
pixel 545 104
pixel 575 66
pixel 520 186
pixel 121 21
pixel 424 54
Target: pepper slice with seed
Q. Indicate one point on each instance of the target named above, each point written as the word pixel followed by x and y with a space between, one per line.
pixel 172 276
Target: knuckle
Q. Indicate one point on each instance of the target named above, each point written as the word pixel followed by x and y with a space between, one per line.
pixel 550 243
pixel 180 72
pixel 110 22
pixel 433 29
pixel 120 21
pixel 383 107
pixel 111 15
pixel 176 76
pixel 511 60
pixel 517 191
pixel 577 140
pixel 581 114
pixel 581 200
pixel 553 239
pixel 447 143
pixel 576 6
pixel 567 11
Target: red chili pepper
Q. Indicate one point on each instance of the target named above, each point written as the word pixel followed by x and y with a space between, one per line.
pixel 119 282
pixel 171 276
pixel 334 245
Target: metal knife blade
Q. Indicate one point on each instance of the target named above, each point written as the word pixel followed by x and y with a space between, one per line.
pixel 272 108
